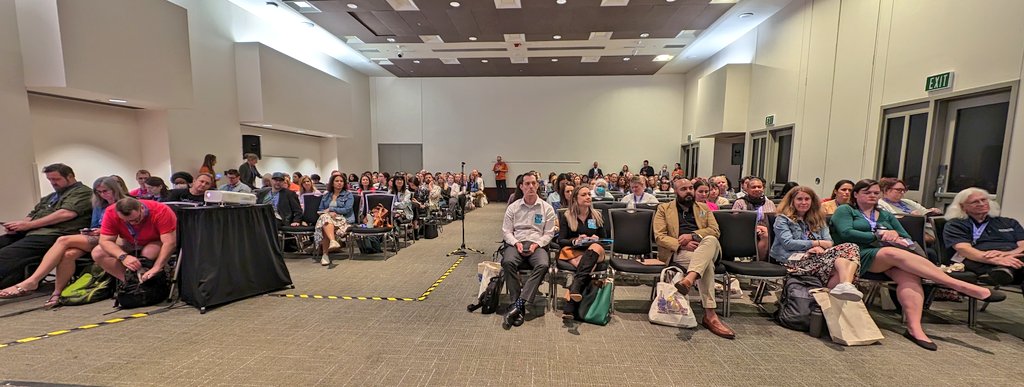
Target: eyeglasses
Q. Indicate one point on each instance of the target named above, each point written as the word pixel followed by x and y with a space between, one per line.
pixel 900 190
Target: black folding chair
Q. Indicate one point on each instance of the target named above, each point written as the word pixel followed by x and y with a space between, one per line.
pixel 303 234
pixel 739 239
pixel 632 232
pixel 387 233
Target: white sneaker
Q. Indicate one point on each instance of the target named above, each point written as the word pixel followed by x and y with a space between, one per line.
pixel 846 291
pixel 334 246
pixel 325 260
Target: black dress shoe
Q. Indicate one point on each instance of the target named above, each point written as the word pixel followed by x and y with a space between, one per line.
pixel 996 296
pixel 921 343
pixel 514 317
pixel 1000 276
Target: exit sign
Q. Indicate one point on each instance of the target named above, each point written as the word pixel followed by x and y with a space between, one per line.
pixel 938 81
pixel 769 120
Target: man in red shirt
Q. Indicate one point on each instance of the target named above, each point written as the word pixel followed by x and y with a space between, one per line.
pixel 149 231
pixel 500 169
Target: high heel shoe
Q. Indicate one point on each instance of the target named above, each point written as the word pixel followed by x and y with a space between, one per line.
pixel 996 296
pixel 929 345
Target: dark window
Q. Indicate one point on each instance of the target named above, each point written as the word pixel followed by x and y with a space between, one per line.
pixel 893 150
pixel 978 147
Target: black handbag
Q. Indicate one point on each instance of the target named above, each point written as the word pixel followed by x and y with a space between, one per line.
pixel 133 293
pixel 430 230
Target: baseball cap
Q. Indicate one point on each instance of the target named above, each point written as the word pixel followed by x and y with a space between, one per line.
pixel 278 176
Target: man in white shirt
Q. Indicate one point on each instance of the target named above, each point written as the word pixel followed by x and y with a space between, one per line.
pixel 234 182
pixel 528 227
pixel 638 193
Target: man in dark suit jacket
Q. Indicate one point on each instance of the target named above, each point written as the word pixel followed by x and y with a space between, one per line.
pixel 595 171
pixel 247 172
pixel 286 203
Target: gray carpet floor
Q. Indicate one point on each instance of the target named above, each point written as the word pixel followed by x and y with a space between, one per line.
pixel 266 340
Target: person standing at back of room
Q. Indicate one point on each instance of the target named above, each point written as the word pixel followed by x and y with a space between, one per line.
pixel 248 172
pixel 500 170
pixel 209 161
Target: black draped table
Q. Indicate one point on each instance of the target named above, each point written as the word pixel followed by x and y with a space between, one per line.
pixel 229 253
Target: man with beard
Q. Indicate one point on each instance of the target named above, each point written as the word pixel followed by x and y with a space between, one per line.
pixel 754 200
pixel 687 235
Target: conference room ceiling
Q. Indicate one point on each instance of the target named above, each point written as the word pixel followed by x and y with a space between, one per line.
pixel 488 38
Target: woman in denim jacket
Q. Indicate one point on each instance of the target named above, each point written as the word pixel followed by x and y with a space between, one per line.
pixel 337 215
pixel 802 243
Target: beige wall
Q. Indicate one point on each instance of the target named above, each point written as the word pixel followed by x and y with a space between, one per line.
pixel 828 67
pixel 288 152
pixel 554 123
pixel 16 147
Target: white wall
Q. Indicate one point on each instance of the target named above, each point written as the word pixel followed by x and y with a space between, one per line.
pixel 94 140
pixel 16 147
pixel 288 152
pixel 537 123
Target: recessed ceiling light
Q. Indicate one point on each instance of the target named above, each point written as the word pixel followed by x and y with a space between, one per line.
pixel 670 1
pixel 483 61
pixel 554 59
pixel 663 58
pixel 556 37
pixel 644 35
pixel 746 15
pixel 353 6
pixel 454 4
pixel 626 59
pixel 416 61
pixel 267 126
pixel 473 38
pixel 301 131
pixel 302 4
pixel 114 100
pixel 392 40
pixel 559 1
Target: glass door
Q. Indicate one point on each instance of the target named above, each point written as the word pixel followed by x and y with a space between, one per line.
pixel 973 151
pixel 689 155
pixel 903 149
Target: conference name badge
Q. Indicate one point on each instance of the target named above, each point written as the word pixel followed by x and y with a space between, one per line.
pixel 591 223
pixel 538 218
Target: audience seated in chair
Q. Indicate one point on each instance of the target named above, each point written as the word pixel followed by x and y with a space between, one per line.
pixel 702 193
pixel 841 194
pixel 156 189
pixel 196 193
pixel 579 227
pixel 317 184
pixel 149 232
pixel 528 227
pixel 724 189
pixel 50 232
pixel 140 177
pixel 755 200
pixel 287 209
pixel 894 202
pixel 985 242
pixel 883 247
pixel 338 214
pixel 234 183
pixel 687 236
pixel 601 191
pixel 638 193
pixel 803 244
pixel 181 180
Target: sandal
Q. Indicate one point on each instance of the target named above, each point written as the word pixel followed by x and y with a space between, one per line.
pixel 18 292
pixel 52 302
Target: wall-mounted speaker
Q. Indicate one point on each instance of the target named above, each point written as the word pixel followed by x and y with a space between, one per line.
pixel 251 144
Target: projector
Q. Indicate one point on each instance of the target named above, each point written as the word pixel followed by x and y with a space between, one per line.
pixel 228 197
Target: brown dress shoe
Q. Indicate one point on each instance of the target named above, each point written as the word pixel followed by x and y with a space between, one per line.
pixel 718 328
pixel 683 286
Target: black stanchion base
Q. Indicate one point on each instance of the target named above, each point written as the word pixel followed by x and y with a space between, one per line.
pixel 464 251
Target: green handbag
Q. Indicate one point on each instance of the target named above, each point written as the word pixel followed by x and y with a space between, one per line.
pixel 596 307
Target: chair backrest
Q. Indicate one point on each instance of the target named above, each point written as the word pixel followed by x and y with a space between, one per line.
pixel 914 225
pixel 310 205
pixel 648 206
pixel 945 255
pixel 725 206
pixel 357 202
pixel 604 207
pixel 384 199
pixel 739 238
pixel 771 225
pixel 632 231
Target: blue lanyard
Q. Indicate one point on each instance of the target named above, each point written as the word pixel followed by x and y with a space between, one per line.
pixel 977 230
pixel 871 220
pixel 133 232
pixel 901 205
pixel 635 200
pixel 760 213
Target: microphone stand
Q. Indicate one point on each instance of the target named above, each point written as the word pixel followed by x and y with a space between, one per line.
pixel 463 250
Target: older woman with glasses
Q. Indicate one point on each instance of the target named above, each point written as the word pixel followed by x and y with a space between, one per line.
pixel 62 255
pixel 884 248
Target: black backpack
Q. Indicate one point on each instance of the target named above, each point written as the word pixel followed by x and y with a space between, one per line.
pixel 796 302
pixel 133 294
pixel 489 299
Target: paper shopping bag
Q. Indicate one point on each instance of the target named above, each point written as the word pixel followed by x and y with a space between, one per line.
pixel 849 322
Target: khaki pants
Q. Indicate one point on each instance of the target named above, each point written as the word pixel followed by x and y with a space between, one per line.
pixel 702 261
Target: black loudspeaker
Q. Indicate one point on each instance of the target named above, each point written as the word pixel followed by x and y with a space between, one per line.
pixel 251 144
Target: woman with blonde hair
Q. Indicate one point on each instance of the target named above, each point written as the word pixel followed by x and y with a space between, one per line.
pixel 579 228
pixel 802 243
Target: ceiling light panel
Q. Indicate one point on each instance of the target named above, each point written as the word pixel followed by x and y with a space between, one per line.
pixel 520 59
pixel 403 5
pixel 604 35
pixel 507 4
pixel 303 6
pixel 590 59
pixel 614 3
pixel 431 39
pixel 515 38
pixel 451 61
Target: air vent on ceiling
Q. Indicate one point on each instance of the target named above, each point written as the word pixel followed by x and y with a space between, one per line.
pixel 507 4
pixel 600 35
pixel 675 45
pixel 450 60
pixel 614 3
pixel 515 38
pixel 520 59
pixel 431 39
pixel 565 48
pixel 590 59
pixel 303 6
pixel 403 5
pixel 369 50
pixel 469 49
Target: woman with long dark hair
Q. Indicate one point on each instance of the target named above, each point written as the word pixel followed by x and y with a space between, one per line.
pixel 840 195
pixel 884 248
pixel 208 162
pixel 156 189
pixel 338 214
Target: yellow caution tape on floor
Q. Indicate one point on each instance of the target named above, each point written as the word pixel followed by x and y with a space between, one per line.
pixel 134 316
pixel 422 297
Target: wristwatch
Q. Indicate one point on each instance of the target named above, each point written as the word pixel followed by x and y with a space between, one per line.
pixel 122 257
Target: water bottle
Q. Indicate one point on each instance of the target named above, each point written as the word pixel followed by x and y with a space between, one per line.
pixel 817 323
